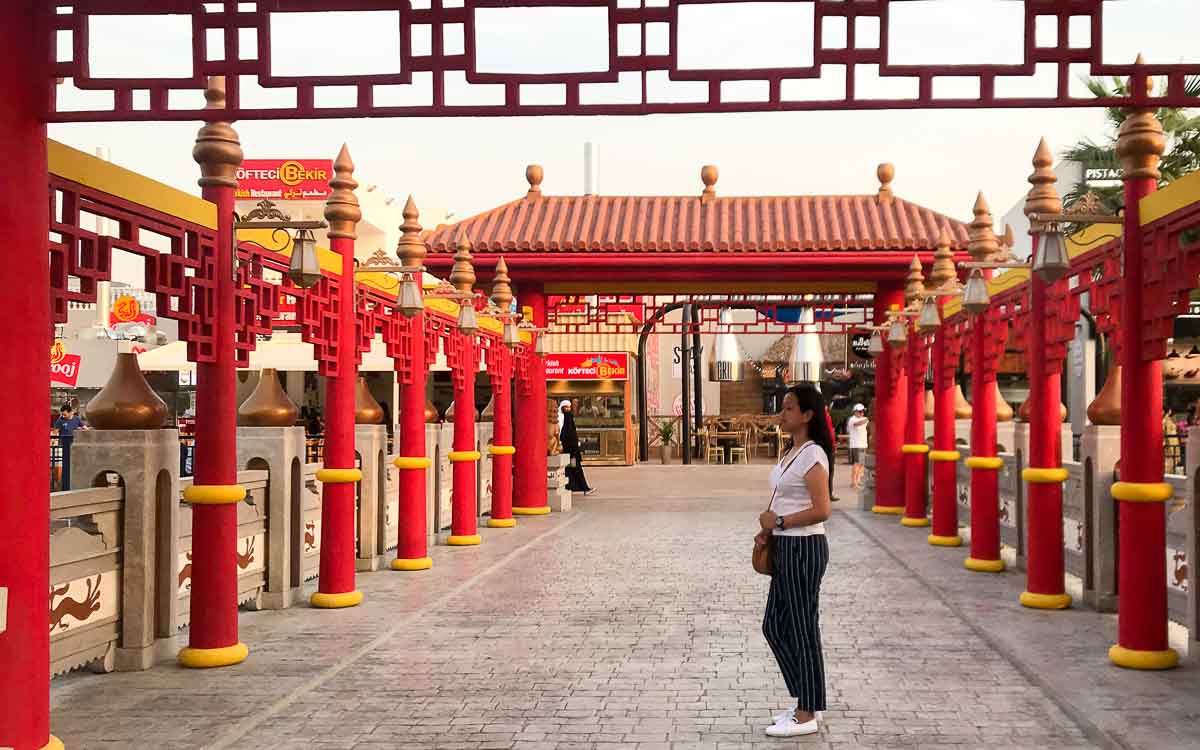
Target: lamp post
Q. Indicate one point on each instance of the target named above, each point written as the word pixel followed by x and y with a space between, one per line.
pixel 215 493
pixel 339 476
pixel 500 369
pixel 465 364
pixel 944 456
pixel 915 449
pixel 891 394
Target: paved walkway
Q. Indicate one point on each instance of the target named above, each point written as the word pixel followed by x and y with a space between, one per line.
pixel 631 622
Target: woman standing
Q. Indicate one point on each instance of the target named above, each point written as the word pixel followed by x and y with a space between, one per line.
pixel 800 503
pixel 569 438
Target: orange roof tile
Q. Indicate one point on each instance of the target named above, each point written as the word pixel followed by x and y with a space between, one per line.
pixel 690 224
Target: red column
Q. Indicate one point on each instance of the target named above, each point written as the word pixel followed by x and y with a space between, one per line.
pixel 1045 585
pixel 914 448
pixel 530 496
pixel 984 463
pixel 502 445
pixel 215 493
pixel 412 551
pixel 463 454
pixel 24 513
pixel 891 397
pixel 1141 576
pixel 944 454
pixel 338 476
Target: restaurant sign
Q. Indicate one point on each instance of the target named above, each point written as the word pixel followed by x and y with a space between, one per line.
pixel 587 366
pixel 284 179
pixel 64 368
pixel 126 309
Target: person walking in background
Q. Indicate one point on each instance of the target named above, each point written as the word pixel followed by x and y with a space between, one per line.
pixel 856 429
pixel 68 421
pixel 568 437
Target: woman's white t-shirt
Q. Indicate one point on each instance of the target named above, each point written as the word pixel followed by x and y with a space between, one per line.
pixel 791 489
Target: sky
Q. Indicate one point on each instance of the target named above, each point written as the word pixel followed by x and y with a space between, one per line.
pixel 942 157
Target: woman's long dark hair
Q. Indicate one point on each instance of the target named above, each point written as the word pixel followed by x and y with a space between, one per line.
pixel 810 399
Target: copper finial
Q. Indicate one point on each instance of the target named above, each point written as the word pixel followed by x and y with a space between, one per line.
pixel 366 409
pixel 462 275
pixel 268 405
pixel 1004 410
pixel 218 150
pixel 914 283
pixel 943 275
pixel 502 286
pixel 341 208
pixel 1140 141
pixel 410 249
pixel 1043 197
pixel 1008 240
pixel 981 238
pixel 886 172
pixel 126 402
pixel 708 175
pixel 1106 407
pixel 534 174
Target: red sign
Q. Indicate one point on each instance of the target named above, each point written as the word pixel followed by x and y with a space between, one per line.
pixel 64 368
pixel 284 179
pixel 287 312
pixel 125 309
pixel 589 366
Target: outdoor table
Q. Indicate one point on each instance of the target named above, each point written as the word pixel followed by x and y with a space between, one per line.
pixel 728 441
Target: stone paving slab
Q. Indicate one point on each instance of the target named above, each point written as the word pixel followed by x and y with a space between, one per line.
pixel 632 622
pixel 1064 652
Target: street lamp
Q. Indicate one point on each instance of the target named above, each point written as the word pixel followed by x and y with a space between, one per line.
pixel 409 300
pixel 468 323
pixel 1050 261
pixel 929 319
pixel 304 269
pixel 875 347
pixel 975 295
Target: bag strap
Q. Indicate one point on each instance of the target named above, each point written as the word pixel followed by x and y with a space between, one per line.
pixel 783 473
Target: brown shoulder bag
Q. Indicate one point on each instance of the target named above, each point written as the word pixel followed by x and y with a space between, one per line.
pixel 761 557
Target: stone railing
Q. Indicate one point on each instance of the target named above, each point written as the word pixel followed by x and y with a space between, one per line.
pixel 86 566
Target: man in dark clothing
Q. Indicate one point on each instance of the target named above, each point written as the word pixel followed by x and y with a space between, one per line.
pixel 68 421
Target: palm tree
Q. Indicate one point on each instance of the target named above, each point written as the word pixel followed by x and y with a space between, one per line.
pixel 1181 126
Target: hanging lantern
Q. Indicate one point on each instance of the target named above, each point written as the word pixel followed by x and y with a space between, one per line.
pixel 1051 263
pixel 512 337
pixel 539 344
pixel 467 322
pixel 975 296
pixel 806 358
pixel 875 347
pixel 303 269
pixel 930 320
pixel 410 296
pixel 897 336
pixel 725 358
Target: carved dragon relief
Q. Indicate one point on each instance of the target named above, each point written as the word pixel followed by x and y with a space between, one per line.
pixel 68 607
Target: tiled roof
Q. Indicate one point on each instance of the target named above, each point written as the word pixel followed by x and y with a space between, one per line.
pixel 692 224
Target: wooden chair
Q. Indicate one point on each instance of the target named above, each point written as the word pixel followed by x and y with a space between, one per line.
pixel 739 451
pixel 712 450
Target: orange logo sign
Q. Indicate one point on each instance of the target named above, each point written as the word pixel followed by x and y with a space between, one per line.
pixel 58 352
pixel 293 173
pixel 126 309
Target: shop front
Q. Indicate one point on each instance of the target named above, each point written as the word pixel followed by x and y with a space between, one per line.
pixel 599 387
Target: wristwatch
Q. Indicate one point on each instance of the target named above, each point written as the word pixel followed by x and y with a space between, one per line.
pixel 779 522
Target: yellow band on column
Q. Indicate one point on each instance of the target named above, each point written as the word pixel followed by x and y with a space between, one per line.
pixel 945 541
pixel 214 494
pixel 985 462
pixel 1045 476
pixel 1134 659
pixel 206 658
pixel 889 510
pixel 457 457
pixel 411 462
pixel 944 455
pixel 501 450
pixel 542 511
pixel 984 566
pixel 1142 492
pixel 914 448
pixel 1045 601
pixel 417 563
pixel 54 744
pixel 336 601
pixel 914 522
pixel 465 540
pixel 339 476
pixel 501 523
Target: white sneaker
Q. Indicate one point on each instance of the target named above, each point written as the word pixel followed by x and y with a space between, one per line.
pixel 783 715
pixel 789 727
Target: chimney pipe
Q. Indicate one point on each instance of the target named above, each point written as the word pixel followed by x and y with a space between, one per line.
pixel 591 168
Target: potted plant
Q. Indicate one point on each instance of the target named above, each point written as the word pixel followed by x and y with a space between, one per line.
pixel 666 430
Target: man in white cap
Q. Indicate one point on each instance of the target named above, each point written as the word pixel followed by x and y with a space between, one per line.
pixel 856 426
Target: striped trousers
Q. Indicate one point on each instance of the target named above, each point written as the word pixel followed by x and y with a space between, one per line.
pixel 791 623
